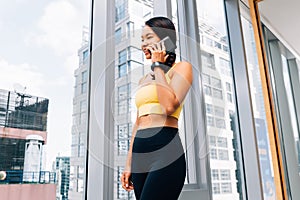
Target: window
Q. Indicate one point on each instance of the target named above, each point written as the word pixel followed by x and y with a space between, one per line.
pixel 85 56
pixel 209 109
pixel 207 90
pixel 216 188
pixel 225 174
pixel 223 154
pixel 228 87
pixel 222 142
pixel 220 123
pixel 120 10
pixel 210 121
pixel 208 60
pixel 118 35
pixel 135 54
pixel 122 68
pixel 218 45
pixel 83 88
pixel 215 174
pixel 83 82
pixel 122 107
pixel 84 77
pixel 219 111
pixel 209 42
pixel 217 93
pixel 226 187
pixel 215 82
pixel 130 29
pixel 213 153
pixel 122 56
pixel 212 141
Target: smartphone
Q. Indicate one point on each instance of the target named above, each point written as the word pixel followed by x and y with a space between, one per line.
pixel 170 46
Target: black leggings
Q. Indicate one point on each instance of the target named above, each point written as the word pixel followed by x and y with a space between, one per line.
pixel 158 167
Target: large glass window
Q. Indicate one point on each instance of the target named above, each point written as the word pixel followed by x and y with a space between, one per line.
pixel 217 83
pixel 265 158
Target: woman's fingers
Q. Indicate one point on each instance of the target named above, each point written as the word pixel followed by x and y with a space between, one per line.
pixel 126 184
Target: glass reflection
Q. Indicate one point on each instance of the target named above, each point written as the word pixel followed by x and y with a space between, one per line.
pixel 218 86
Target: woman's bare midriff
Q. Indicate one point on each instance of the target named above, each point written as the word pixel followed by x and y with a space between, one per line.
pixel 156 120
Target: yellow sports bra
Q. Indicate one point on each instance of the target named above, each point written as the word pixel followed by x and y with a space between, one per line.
pixel 146 100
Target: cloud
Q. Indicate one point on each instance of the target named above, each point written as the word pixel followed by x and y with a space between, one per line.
pixel 28 76
pixel 59 28
pixel 24 74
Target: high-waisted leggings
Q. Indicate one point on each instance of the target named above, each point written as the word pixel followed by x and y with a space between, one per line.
pixel 158 167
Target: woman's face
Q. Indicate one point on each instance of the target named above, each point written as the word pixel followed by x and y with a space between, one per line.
pixel 148 38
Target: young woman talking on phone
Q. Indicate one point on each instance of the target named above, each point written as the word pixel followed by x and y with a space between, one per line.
pixel 156 166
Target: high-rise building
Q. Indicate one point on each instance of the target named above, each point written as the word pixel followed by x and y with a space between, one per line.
pixel 79 127
pixel 62 169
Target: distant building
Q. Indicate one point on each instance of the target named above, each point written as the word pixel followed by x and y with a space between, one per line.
pixel 23 126
pixel 23 120
pixel 62 169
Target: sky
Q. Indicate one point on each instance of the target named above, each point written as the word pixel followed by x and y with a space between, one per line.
pixel 39 46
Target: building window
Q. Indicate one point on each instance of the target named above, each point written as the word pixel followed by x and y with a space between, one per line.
pixel 210 121
pixel 209 109
pixel 217 93
pixel 130 29
pixel 216 188
pixel 213 154
pixel 122 56
pixel 223 154
pixel 122 67
pixel 208 60
pixel 226 188
pixel 215 82
pixel 225 174
pixel 135 54
pixel 222 142
pixel 225 67
pixel 218 45
pixel 122 70
pixel 122 107
pixel 215 174
pixel 124 138
pixel 229 97
pixel 118 35
pixel 120 6
pixel 220 123
pixel 85 56
pixel 83 82
pixel 209 42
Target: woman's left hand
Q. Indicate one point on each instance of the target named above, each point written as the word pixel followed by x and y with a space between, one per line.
pixel 158 52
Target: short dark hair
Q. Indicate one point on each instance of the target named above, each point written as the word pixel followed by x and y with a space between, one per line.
pixel 162 27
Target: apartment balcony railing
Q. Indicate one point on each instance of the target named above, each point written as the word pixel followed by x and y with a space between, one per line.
pixel 20 177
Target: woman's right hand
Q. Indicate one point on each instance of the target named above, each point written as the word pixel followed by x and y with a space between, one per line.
pixel 126 182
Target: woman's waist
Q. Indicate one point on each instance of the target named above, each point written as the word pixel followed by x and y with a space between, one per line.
pixel 156 120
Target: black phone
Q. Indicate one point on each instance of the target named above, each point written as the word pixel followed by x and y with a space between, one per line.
pixel 170 46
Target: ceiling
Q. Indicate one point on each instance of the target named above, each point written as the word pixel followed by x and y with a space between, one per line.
pixel 282 18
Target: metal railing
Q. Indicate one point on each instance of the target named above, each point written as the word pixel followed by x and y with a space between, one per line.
pixel 20 177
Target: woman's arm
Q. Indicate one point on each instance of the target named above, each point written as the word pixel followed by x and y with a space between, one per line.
pixel 125 178
pixel 171 95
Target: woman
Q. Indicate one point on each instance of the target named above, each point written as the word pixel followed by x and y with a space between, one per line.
pixel 156 166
